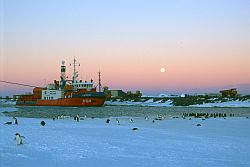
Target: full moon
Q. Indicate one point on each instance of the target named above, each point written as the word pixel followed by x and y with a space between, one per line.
pixel 163 69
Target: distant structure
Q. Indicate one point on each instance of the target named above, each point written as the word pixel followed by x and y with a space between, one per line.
pixel 166 95
pixel 120 93
pixel 212 94
pixel 229 92
pixel 183 95
pixel 117 93
pixel 134 95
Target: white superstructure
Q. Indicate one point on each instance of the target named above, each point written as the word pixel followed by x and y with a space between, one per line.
pixel 51 94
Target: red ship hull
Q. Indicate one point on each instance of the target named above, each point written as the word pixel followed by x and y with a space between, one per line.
pixel 72 102
pixel 67 102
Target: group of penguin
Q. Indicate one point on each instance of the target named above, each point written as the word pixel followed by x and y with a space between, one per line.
pixel 18 137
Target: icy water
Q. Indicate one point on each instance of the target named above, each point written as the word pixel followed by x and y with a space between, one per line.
pixel 117 111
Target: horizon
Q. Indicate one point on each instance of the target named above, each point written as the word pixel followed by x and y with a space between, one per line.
pixel 203 46
pixel 243 89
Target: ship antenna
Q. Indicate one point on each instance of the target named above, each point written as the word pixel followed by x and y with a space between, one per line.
pixel 99 83
pixel 75 73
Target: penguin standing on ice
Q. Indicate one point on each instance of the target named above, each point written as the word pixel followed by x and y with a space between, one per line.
pixel 107 121
pixel 117 121
pixel 15 121
pixel 131 120
pixel 77 118
pixel 19 139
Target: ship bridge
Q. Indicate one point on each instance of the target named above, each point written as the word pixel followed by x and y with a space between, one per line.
pixel 83 85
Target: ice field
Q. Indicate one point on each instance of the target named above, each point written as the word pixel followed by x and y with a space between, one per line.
pixel 93 142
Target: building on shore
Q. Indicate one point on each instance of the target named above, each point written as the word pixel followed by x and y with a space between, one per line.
pixel 229 92
pixel 117 93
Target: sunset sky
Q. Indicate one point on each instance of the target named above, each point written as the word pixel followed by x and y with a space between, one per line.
pixel 202 44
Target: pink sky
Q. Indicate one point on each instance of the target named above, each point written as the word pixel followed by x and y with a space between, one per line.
pixel 201 44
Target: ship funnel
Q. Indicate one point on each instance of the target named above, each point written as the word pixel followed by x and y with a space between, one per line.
pixel 63 75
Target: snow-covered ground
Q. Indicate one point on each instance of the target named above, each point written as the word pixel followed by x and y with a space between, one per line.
pixel 149 102
pixel 168 103
pixel 92 142
pixel 225 104
pixel 7 102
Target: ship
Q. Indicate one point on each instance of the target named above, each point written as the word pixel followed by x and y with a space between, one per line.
pixel 71 93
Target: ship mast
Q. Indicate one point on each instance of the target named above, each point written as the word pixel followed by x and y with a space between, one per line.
pixel 99 83
pixel 75 73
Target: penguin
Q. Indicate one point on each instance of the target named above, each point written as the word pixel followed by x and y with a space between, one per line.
pixel 131 120
pixel 15 121
pixel 117 121
pixel 18 139
pixel 77 118
pixel 42 123
pixel 107 121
